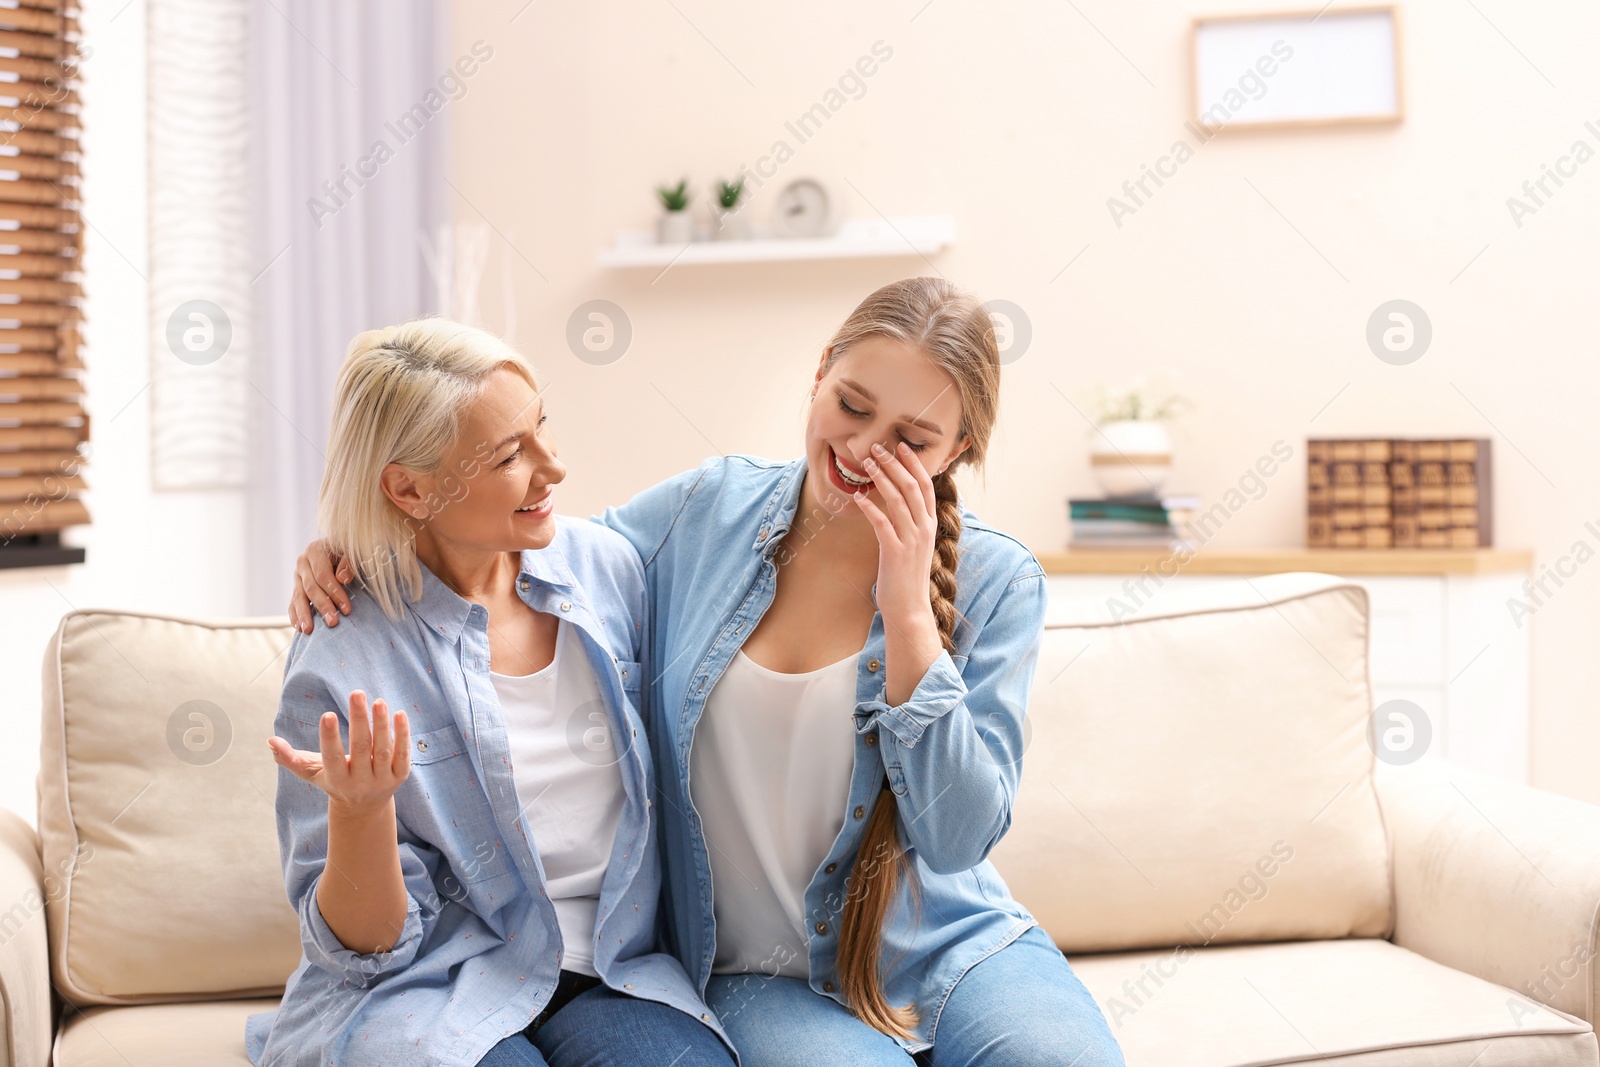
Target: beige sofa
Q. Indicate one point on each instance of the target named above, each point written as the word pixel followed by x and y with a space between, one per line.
pixel 1198 776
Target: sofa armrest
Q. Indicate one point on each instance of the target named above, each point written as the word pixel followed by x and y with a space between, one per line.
pixel 1496 879
pixel 26 1010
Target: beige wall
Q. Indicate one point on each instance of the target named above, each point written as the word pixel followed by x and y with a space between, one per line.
pixel 1252 271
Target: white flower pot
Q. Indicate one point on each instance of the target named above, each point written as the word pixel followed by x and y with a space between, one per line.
pixel 730 225
pixel 675 228
pixel 1131 457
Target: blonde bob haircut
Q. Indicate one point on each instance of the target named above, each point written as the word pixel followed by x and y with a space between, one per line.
pixel 402 397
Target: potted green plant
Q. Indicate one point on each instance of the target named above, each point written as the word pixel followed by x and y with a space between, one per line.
pixel 1130 451
pixel 727 208
pixel 676 226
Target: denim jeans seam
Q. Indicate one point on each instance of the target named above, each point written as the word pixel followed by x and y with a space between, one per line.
pixel 1022 927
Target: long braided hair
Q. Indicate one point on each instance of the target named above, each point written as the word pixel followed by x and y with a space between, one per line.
pixel 954 331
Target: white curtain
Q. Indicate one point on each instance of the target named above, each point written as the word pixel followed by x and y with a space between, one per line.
pixel 200 260
pixel 347 175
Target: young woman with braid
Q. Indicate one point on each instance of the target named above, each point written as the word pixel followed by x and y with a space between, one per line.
pixel 841 657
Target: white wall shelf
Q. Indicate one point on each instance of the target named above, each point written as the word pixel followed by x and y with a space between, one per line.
pixel 922 235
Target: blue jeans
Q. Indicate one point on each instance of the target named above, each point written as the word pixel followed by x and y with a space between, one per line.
pixel 603 1028
pixel 1021 1007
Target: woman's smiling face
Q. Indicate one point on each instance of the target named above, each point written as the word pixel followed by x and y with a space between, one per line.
pixel 495 488
pixel 879 391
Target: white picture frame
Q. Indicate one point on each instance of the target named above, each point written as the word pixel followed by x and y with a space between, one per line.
pixel 1292 69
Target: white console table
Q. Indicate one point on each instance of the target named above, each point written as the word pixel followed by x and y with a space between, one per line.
pixel 1442 636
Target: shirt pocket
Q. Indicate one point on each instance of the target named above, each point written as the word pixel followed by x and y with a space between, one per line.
pixel 447 809
pixel 632 676
pixel 438 791
pixel 433 746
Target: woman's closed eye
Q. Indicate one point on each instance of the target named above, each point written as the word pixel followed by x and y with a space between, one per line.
pixel 844 405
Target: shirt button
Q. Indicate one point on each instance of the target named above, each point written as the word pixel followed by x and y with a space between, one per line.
pixel 873 665
pixel 762 536
pixel 830 868
pixel 822 928
pixel 522 584
pixel 872 740
pixel 627 985
pixel 704 1017
pixel 827 987
pixel 860 812
pixel 566 605
pixel 422 746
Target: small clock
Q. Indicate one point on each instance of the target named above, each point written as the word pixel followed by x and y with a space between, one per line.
pixel 803 209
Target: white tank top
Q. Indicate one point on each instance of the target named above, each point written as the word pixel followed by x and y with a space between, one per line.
pixel 769 775
pixel 565 768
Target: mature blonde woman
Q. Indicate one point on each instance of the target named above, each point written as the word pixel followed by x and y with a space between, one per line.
pixel 846 655
pixel 476 874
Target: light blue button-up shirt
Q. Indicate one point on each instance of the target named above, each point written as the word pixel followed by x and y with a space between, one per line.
pixel 480 951
pixel 952 753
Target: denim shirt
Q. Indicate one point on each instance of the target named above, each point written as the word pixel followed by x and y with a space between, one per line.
pixel 952 753
pixel 480 950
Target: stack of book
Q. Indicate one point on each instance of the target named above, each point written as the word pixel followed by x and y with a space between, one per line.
pixel 1399 493
pixel 1132 521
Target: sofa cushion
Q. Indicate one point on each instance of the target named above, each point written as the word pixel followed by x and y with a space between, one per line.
pixel 156 792
pixel 1354 1002
pixel 1199 772
pixel 158 1035
pixel 1357 1003
pixel 27 1016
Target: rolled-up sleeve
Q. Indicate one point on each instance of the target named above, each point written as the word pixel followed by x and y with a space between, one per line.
pixel 324 949
pixel 302 811
pixel 953 750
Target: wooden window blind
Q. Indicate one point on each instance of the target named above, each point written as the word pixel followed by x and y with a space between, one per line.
pixel 44 429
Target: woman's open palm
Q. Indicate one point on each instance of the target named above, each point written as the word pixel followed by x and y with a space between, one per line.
pixel 378 762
